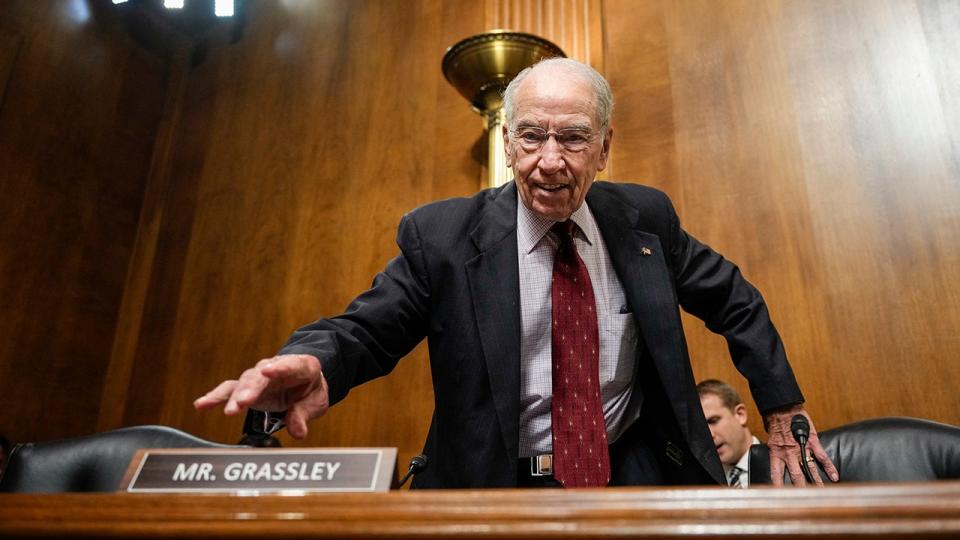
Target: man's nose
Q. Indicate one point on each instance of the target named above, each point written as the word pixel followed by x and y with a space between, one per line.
pixel 551 156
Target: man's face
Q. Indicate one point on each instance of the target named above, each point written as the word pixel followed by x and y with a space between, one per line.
pixel 728 427
pixel 554 178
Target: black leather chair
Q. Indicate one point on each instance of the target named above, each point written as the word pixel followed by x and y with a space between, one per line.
pixel 90 463
pixel 889 449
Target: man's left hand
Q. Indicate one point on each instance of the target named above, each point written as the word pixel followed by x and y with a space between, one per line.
pixel 785 452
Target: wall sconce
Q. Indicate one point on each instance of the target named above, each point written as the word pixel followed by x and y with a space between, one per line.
pixel 480 67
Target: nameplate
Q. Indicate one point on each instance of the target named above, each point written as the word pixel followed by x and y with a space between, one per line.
pixel 218 470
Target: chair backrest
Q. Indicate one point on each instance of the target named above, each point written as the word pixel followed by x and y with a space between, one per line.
pixel 94 462
pixel 894 449
pixel 889 449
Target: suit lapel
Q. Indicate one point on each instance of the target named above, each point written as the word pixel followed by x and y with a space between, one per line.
pixel 495 290
pixel 639 261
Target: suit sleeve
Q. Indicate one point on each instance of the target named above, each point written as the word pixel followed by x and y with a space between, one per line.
pixel 713 289
pixel 378 328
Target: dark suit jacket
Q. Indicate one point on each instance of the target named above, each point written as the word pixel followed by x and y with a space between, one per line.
pixel 456 283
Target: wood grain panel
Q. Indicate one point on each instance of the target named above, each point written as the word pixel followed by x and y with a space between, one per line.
pixel 123 354
pixel 9 45
pixel 738 156
pixel 883 511
pixel 815 144
pixel 576 26
pixel 299 147
pixel 638 70
pixel 880 165
pixel 76 129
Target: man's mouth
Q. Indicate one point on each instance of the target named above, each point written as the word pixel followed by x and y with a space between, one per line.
pixel 551 187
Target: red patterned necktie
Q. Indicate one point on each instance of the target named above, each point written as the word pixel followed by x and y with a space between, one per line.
pixel 580 454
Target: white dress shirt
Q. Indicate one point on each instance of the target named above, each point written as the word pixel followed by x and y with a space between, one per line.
pixel 617 328
pixel 744 465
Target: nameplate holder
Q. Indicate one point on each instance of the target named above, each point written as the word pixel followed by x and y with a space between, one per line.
pixel 257 470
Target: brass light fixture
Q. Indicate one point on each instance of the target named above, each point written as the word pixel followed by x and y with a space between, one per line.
pixel 480 67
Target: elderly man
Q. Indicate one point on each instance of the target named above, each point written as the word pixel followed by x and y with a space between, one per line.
pixel 727 418
pixel 550 306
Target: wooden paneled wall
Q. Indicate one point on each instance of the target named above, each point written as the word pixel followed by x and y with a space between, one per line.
pixel 256 180
pixel 79 107
pixel 817 144
pixel 576 26
pixel 297 149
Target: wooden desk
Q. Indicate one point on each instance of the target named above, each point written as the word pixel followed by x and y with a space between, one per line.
pixel 925 510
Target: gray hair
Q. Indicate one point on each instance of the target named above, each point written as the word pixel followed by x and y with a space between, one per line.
pixel 603 96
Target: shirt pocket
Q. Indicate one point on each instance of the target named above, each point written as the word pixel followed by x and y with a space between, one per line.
pixel 618 344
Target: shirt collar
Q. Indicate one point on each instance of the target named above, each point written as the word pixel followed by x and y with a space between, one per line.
pixel 744 459
pixel 531 227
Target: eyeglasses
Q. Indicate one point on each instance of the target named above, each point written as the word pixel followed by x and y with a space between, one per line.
pixel 533 138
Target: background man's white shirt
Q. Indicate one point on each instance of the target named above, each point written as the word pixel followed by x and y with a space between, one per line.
pixel 744 465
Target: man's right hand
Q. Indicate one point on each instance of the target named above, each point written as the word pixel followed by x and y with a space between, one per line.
pixel 291 382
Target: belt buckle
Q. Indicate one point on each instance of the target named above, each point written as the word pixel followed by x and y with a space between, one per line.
pixel 541 465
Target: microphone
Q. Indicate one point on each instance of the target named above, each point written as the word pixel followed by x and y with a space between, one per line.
pixel 800 428
pixel 418 464
pixel 259 427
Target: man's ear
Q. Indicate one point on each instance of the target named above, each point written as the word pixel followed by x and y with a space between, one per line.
pixel 605 151
pixel 740 411
pixel 506 146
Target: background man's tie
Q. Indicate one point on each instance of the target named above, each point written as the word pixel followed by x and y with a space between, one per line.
pixel 580 454
pixel 733 479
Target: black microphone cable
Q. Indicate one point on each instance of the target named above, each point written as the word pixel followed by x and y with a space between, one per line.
pixel 800 429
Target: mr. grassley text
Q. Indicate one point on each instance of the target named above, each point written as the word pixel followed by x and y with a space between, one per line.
pixel 319 471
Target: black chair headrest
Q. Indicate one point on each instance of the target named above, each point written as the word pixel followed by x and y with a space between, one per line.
pixel 90 463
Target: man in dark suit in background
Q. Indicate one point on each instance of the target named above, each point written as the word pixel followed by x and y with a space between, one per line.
pixel 550 306
pixel 727 418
